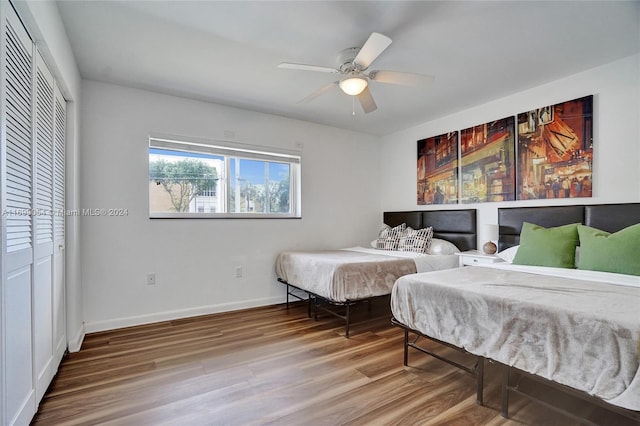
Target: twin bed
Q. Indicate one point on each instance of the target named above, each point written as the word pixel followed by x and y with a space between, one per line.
pixel 576 328
pixel 344 278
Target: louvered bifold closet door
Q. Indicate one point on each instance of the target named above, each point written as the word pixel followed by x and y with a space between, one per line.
pixel 18 389
pixel 44 154
pixel 43 292
pixel 60 106
pixel 19 140
pixel 59 310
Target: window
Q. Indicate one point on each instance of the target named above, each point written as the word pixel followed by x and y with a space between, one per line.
pixel 194 178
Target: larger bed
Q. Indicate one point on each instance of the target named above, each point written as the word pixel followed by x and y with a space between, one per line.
pixel 576 328
pixel 346 277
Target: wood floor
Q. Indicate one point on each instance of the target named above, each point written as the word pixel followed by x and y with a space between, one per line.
pixel 273 366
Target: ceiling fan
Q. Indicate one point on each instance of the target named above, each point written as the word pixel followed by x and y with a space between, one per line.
pixel 353 67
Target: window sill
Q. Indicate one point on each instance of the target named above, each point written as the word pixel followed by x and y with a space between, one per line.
pixel 155 215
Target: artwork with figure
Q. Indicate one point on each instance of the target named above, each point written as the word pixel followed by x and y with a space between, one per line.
pixel 555 151
pixel 488 162
pixel 438 169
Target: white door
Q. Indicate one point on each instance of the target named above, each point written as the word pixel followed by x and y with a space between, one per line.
pixel 18 394
pixel 32 181
pixel 43 344
pixel 59 296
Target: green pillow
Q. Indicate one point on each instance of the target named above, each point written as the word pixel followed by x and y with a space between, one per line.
pixel 555 247
pixel 602 251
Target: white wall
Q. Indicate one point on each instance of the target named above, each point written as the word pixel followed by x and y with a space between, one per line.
pixel 348 180
pixel 195 259
pixel 616 174
pixel 46 28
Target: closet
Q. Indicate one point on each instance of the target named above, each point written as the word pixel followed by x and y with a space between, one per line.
pixel 32 158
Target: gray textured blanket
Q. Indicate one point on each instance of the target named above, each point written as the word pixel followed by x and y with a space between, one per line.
pixel 342 275
pixel 582 334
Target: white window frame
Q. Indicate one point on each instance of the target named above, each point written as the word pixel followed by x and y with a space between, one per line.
pixel 236 150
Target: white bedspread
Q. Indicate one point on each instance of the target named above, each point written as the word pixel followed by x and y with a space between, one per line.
pixel 582 332
pixel 356 273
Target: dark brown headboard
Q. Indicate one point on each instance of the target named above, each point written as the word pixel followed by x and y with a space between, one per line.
pixel 608 217
pixel 457 226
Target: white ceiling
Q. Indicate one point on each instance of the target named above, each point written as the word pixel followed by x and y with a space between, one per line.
pixel 227 52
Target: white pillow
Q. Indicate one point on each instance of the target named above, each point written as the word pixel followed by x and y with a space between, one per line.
pixel 439 246
pixel 508 254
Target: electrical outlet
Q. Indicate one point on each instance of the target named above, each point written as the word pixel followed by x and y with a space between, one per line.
pixel 151 279
pixel 238 271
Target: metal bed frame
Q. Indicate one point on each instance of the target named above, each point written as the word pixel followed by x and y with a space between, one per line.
pixel 477 370
pixel 509 384
pixel 319 302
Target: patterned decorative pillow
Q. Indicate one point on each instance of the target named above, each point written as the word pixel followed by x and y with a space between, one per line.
pixel 418 241
pixel 389 238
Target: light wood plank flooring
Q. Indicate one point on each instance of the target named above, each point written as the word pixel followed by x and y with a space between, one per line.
pixel 274 366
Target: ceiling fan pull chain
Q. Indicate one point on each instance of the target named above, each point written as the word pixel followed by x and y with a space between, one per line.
pixel 353 105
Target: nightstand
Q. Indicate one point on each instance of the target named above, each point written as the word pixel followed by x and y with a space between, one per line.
pixel 477 257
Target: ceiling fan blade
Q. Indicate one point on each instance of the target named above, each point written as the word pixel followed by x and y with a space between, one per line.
pixel 305 67
pixel 372 48
pixel 318 92
pixel 402 78
pixel 367 102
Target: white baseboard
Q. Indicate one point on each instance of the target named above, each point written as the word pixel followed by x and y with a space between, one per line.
pixel 26 412
pixel 74 344
pixel 91 327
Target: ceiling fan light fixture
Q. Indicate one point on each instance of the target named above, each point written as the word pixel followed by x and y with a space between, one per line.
pixel 353 85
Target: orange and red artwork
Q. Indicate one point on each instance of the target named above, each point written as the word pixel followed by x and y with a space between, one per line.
pixel 488 163
pixel 438 169
pixel 555 151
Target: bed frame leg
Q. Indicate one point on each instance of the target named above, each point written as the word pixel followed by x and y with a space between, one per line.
pixel 346 327
pixel 315 308
pixel 287 297
pixel 505 392
pixel 406 347
pixel 480 381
